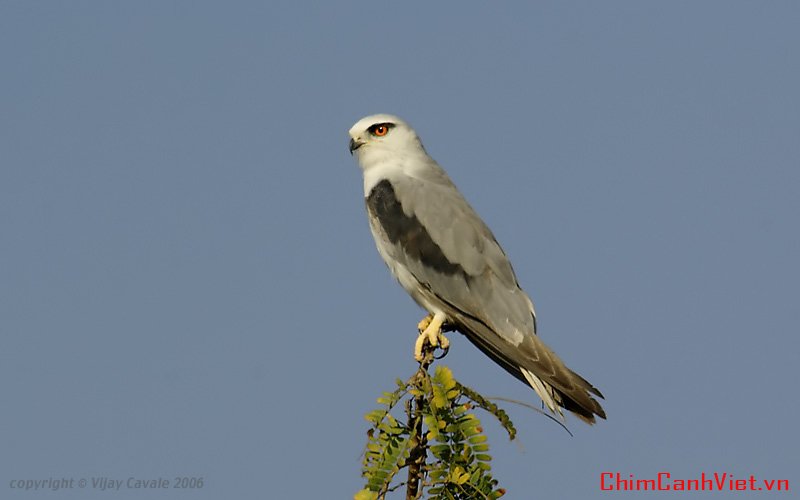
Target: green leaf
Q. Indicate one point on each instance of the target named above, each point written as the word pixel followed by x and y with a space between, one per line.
pixel 492 408
pixel 375 416
pixel 366 495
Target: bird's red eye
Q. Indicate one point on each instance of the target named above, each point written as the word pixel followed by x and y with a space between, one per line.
pixel 380 129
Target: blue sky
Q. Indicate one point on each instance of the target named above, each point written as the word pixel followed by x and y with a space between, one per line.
pixel 188 286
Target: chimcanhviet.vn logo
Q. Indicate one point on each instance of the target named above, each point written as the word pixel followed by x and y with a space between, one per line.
pixel 614 481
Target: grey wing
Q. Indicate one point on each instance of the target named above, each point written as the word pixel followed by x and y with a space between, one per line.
pixel 484 285
pixel 426 228
pixel 431 233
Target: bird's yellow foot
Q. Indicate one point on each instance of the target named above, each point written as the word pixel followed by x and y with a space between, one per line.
pixel 431 330
pixel 423 324
pixel 444 342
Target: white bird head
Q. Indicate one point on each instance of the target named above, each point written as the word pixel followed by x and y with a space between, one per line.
pixel 377 137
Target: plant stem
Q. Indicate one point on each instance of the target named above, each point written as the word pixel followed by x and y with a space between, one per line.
pixel 419 444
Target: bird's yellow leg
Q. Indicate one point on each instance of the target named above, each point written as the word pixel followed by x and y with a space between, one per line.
pixel 432 332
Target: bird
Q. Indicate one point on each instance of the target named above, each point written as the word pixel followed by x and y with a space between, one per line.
pixel 447 259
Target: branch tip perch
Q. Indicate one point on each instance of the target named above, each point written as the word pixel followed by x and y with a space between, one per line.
pixel 436 437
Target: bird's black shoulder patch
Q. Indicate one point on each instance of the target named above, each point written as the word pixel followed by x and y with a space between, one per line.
pixel 407 231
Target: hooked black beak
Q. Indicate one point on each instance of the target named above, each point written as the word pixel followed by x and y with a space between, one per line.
pixel 354 145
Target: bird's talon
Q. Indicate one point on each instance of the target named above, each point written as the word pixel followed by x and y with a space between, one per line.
pixel 444 342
